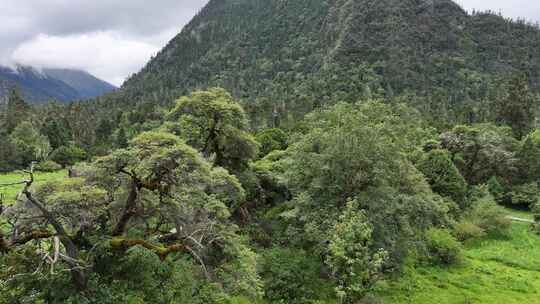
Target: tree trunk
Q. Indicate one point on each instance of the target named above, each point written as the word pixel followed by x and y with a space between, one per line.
pixel 77 274
pixel 129 209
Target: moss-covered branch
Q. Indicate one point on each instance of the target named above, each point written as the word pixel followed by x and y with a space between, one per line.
pixel 158 249
pixel 6 246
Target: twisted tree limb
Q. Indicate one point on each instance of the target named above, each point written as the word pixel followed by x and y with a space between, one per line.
pixel 160 250
pixel 130 208
pixel 79 277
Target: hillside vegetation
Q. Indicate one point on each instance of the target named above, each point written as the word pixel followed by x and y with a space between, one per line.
pixel 294 56
pixel 299 152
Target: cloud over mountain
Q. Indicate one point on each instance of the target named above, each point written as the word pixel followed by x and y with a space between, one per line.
pixel 111 39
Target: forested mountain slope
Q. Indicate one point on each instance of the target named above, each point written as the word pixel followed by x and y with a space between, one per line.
pixel 291 56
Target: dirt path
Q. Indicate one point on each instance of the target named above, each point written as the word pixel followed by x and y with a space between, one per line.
pixel 517 219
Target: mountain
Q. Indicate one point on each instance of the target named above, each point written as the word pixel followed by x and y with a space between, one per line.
pixel 64 85
pixel 292 56
pixel 87 85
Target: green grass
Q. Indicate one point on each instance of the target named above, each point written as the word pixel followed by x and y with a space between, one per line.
pixel 495 270
pixel 10 192
pixel 520 213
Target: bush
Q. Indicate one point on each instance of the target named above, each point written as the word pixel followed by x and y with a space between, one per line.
pixel 484 218
pixel 68 155
pixel 443 247
pixel 496 189
pixel 271 140
pixel 48 166
pixel 290 276
pixel 489 216
pixel 443 176
pixel 466 229
pixel 525 195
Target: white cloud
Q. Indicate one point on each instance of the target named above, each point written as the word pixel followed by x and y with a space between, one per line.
pixel 108 38
pixel 523 9
pixel 106 55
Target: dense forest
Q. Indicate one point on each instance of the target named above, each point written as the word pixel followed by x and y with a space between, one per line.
pixel 277 152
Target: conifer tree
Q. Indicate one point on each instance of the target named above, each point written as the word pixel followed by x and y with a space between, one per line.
pixel 516 110
pixel 17 110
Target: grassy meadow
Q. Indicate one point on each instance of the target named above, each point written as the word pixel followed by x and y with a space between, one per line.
pixel 10 192
pixel 501 270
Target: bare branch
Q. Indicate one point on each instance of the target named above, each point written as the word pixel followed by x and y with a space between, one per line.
pixel 13 184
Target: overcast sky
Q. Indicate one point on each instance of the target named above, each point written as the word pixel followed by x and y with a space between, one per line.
pixel 115 38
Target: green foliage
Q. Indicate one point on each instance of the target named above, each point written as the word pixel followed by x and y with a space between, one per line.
pixel 17 110
pixel 57 131
pixel 360 152
pixel 271 140
pixel 291 276
pixel 68 155
pixel 48 166
pixel 482 151
pixel 443 176
pixel 193 197
pixel 350 259
pixel 443 248
pixel 215 124
pixel 525 195
pixel 516 110
pixel 466 229
pixel 496 189
pixel 489 217
pixel 104 130
pixel 484 218
pixel 30 144
pixel 183 196
pixel 120 139
pixel 294 56
pixel 350 193
pixel 529 157
pixel 8 153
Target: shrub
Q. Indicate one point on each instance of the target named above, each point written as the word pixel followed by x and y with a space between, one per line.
pixel 466 229
pixel 68 155
pixel 271 140
pixel 489 216
pixel 443 176
pixel 48 166
pixel 290 276
pixel 525 195
pixel 443 247
pixel 496 189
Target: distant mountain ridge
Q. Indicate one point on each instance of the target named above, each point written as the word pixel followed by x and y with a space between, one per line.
pixel 42 85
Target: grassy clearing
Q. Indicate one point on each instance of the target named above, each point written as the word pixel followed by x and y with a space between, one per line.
pixel 10 192
pixel 520 213
pixel 496 270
